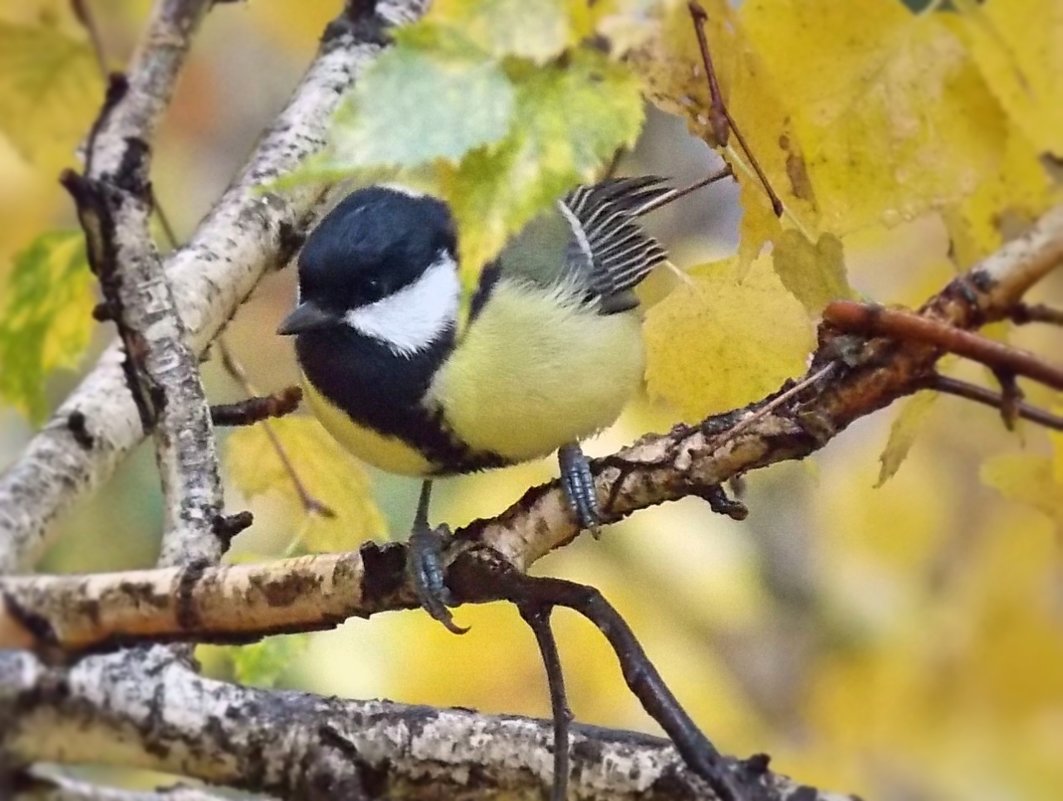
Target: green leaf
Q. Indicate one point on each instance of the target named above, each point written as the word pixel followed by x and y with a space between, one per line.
pixel 50 90
pixel 538 30
pixel 46 317
pixel 433 95
pixel 814 273
pixel 262 663
pixel 569 119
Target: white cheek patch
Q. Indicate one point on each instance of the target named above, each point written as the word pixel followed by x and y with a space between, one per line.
pixel 413 318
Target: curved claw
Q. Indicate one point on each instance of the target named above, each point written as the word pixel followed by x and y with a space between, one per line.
pixel 425 566
pixel 579 488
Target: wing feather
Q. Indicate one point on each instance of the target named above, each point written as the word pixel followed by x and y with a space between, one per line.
pixel 608 243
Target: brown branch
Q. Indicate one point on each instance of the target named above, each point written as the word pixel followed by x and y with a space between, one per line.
pixel 480 576
pixel 1036 313
pixel 866 318
pixel 310 503
pixel 257 409
pixel 537 616
pixel 995 400
pixel 720 117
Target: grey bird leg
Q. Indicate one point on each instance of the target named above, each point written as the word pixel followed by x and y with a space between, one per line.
pixel 425 563
pixel 578 482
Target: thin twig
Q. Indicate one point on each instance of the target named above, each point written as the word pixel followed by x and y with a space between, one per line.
pixel 537 616
pixel 483 576
pixel 675 194
pixel 995 400
pixel 1036 313
pixel 256 409
pixel 870 319
pixel 776 402
pixel 719 117
pixel 310 504
pixel 164 219
pixel 83 13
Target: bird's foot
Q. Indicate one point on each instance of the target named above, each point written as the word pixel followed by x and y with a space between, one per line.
pixel 425 567
pixel 578 483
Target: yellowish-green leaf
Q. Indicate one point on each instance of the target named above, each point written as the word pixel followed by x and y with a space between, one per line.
pixel 721 343
pixel 50 90
pixel 45 317
pixel 569 119
pixel 538 30
pixel 433 95
pixel 814 273
pixel 627 24
pixel 262 663
pixel 1016 45
pixel 1027 478
pixel 906 427
pixel 330 474
pixel 891 112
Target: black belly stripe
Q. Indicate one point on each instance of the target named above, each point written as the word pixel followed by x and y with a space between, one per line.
pixel 382 390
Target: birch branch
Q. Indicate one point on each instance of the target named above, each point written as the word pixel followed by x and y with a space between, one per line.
pixel 140 708
pixel 60 788
pixel 114 203
pixel 246 234
pixel 236 603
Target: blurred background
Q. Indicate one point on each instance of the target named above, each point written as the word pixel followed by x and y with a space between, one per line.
pixel 901 642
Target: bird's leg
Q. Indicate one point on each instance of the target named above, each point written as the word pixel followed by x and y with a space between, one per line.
pixel 578 482
pixel 425 563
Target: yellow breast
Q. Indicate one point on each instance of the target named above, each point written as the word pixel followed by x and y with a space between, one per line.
pixel 386 452
pixel 535 371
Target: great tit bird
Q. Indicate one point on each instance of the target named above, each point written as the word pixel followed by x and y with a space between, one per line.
pixel 551 351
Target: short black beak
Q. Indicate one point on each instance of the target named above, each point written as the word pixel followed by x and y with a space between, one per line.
pixel 306 317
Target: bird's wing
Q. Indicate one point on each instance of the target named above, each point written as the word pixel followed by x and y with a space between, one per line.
pixel 608 243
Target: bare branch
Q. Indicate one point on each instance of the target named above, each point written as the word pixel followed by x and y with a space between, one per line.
pixel 257 409
pixel 1036 313
pixel 120 709
pixel 246 234
pixel 995 400
pixel 866 318
pixel 114 204
pixel 234 603
pixel 60 788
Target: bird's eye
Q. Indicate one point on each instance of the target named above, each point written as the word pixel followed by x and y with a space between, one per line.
pixel 372 289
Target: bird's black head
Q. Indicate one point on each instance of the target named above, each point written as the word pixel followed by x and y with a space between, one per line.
pixel 375 242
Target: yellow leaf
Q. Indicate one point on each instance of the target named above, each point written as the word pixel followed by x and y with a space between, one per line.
pixel 906 427
pixel 1018 46
pixel 1027 478
pixel 50 90
pixel 1056 438
pixel 329 473
pixel 814 273
pixel 721 343
pixel 759 224
pixel 892 115
pixel 1004 202
pixel 671 66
